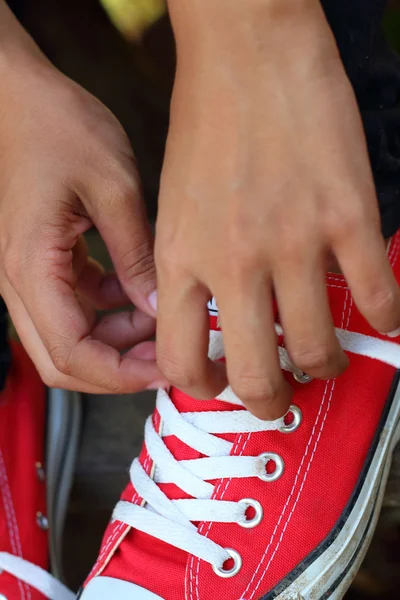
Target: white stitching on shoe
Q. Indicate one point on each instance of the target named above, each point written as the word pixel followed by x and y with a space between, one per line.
pixel 7 506
pixel 118 527
pixel 394 250
pixel 350 311
pixel 292 492
pixel 10 528
pixel 294 486
pixel 337 280
pixel 128 518
pixel 227 482
pixel 338 287
pixel 393 246
pixel 12 522
pixel 344 308
pixel 396 254
pixel 298 472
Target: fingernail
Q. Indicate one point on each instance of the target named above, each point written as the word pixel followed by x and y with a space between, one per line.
pixel 158 385
pixel 152 300
pixel 394 334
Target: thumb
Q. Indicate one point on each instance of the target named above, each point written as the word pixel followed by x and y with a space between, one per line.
pixel 120 216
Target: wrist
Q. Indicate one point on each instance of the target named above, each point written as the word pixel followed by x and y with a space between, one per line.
pixel 205 18
pixel 248 33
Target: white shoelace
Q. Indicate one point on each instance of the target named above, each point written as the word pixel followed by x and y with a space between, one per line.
pixel 34 576
pixel 172 520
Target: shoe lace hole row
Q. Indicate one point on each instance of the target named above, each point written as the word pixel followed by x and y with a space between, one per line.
pixel 271 469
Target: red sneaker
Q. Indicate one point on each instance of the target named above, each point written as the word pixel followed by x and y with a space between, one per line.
pixel 223 505
pixel 23 526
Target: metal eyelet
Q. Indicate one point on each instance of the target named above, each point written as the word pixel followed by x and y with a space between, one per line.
pixel 42 521
pixel 40 472
pixel 295 424
pixel 279 464
pixel 237 565
pixel 302 377
pixel 259 513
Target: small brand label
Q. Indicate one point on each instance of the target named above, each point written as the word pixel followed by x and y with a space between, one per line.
pixel 212 308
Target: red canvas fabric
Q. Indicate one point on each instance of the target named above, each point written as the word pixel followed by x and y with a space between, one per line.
pixel 22 495
pixel 323 461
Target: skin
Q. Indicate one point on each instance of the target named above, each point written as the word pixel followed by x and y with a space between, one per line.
pixel 266 175
pixel 67 165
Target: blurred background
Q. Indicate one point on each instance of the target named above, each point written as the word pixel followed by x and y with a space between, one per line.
pixel 123 52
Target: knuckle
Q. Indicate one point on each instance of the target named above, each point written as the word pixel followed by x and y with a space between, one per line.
pixel 119 193
pixel 128 187
pixel 111 387
pixel 176 372
pixel 289 246
pixel 310 357
pixel 167 258
pixel 239 263
pixel 253 389
pixel 290 249
pixel 380 300
pixel 121 187
pixel 341 225
pixel 62 358
pixel 245 259
pixel 51 377
pixel 138 262
pixel 123 192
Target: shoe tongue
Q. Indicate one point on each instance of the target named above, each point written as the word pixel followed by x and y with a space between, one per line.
pixel 213 312
pixel 185 403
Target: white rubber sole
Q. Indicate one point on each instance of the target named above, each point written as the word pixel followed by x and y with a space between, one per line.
pixel 106 588
pixel 332 573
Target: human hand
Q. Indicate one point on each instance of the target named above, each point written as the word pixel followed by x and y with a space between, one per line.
pixel 266 174
pixel 67 165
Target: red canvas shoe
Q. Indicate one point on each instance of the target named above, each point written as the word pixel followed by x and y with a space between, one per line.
pixel 24 548
pixel 223 505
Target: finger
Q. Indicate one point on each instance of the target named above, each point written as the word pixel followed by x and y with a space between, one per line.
pixel 124 330
pixel 364 262
pixel 102 289
pixel 245 311
pixel 182 341
pixel 306 318
pixel 144 351
pixel 64 329
pixel 54 378
pixel 36 349
pixel 116 207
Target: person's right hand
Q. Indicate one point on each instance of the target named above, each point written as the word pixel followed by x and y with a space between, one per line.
pixel 66 164
pixel 266 176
